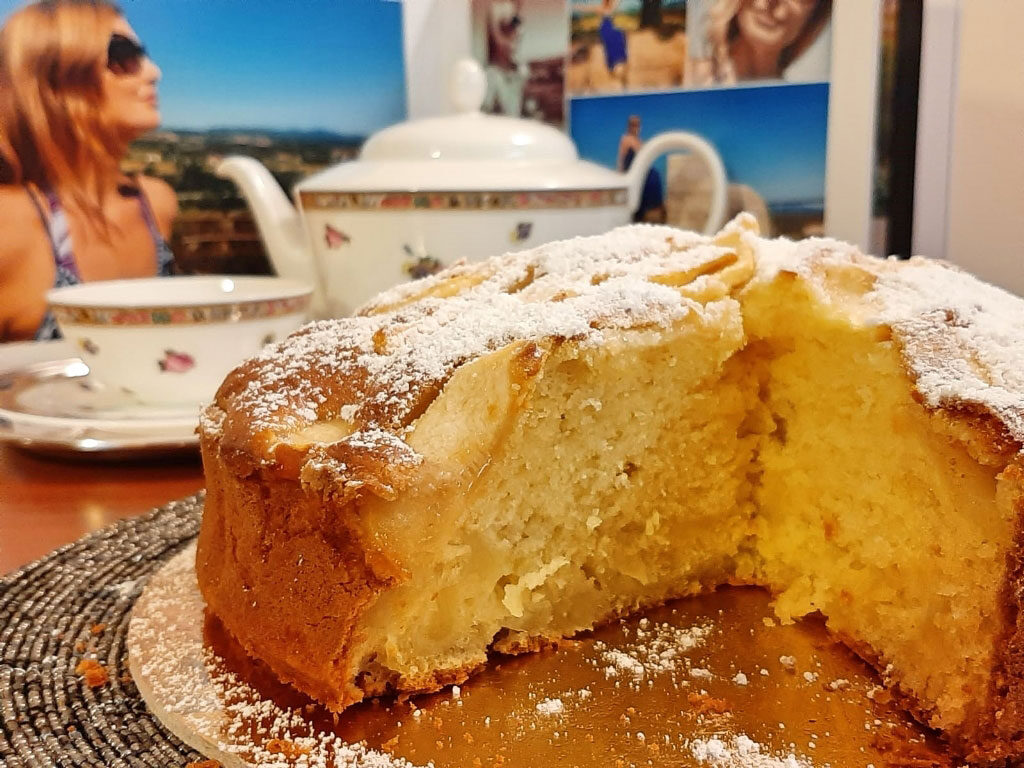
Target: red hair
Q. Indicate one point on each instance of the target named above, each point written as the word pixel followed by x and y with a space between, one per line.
pixel 52 134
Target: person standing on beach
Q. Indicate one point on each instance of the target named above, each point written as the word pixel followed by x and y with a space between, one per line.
pixel 652 198
pixel 613 39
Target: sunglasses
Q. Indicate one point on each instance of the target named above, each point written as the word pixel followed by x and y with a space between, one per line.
pixel 124 55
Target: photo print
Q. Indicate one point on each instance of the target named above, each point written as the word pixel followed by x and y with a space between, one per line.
pixel 298 86
pixel 521 46
pixel 620 46
pixel 771 141
pixel 626 45
pixel 736 41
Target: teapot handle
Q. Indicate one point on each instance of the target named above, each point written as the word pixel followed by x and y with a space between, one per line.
pixel 673 140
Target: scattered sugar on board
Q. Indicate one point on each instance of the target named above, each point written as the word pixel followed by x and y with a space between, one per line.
pixel 657 649
pixel 550 707
pixel 740 751
pixel 257 730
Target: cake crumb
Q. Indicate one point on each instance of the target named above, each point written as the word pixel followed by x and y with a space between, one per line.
pixel 702 704
pixel 97 629
pixel 879 694
pixel 788 663
pixel 740 679
pixel 92 672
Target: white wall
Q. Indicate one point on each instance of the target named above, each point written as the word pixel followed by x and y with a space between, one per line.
pixel 986 205
pixel 435 35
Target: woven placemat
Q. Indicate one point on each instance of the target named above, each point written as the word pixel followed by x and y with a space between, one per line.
pixel 74 604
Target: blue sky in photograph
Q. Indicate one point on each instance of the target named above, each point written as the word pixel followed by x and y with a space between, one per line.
pixel 770 137
pixel 280 64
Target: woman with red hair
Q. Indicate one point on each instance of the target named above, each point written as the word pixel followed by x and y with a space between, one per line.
pixel 76 88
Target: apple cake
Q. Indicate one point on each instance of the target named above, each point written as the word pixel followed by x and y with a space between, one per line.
pixel 516 450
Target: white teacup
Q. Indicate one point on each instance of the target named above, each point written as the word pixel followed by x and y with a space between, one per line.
pixel 173 340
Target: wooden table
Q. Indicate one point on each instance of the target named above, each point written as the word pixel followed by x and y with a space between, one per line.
pixel 45 502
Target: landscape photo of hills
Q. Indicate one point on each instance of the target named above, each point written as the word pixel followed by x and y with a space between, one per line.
pixel 187 159
pixel 214 231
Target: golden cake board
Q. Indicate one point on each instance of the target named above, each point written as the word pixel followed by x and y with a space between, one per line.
pixel 748 692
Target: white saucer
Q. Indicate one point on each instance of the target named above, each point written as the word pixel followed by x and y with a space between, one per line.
pixel 55 407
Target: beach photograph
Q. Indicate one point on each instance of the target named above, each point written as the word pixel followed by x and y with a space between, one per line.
pixel 617 46
pixel 622 46
pixel 771 140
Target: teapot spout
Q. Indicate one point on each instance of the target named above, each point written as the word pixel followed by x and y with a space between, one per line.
pixel 278 222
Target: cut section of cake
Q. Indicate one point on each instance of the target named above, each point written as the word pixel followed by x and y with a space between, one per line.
pixel 514 451
pixel 890 494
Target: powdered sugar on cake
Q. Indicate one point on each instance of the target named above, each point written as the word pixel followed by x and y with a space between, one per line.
pixel 378 369
pixel 961 339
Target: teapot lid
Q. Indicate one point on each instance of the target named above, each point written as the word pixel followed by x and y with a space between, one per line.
pixel 468 150
pixel 470 134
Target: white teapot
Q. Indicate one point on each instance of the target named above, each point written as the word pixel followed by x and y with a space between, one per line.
pixel 426 193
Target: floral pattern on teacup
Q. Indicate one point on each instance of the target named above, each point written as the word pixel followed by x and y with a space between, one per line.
pixel 521 232
pixel 215 313
pixel 176 362
pixel 335 238
pixel 88 345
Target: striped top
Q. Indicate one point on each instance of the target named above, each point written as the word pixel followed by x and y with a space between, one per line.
pixel 55 221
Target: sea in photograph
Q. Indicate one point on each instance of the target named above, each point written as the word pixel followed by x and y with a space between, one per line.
pixel 771 138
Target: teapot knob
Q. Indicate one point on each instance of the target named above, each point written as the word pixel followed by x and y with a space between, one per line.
pixel 468 86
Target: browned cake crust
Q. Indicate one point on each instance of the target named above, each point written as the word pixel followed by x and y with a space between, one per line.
pixel 287 561
pixel 1000 735
pixel 314 573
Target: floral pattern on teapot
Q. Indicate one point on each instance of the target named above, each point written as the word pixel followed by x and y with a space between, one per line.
pixel 418 266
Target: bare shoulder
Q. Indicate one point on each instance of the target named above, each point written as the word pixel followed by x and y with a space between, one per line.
pixel 163 200
pixel 19 222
